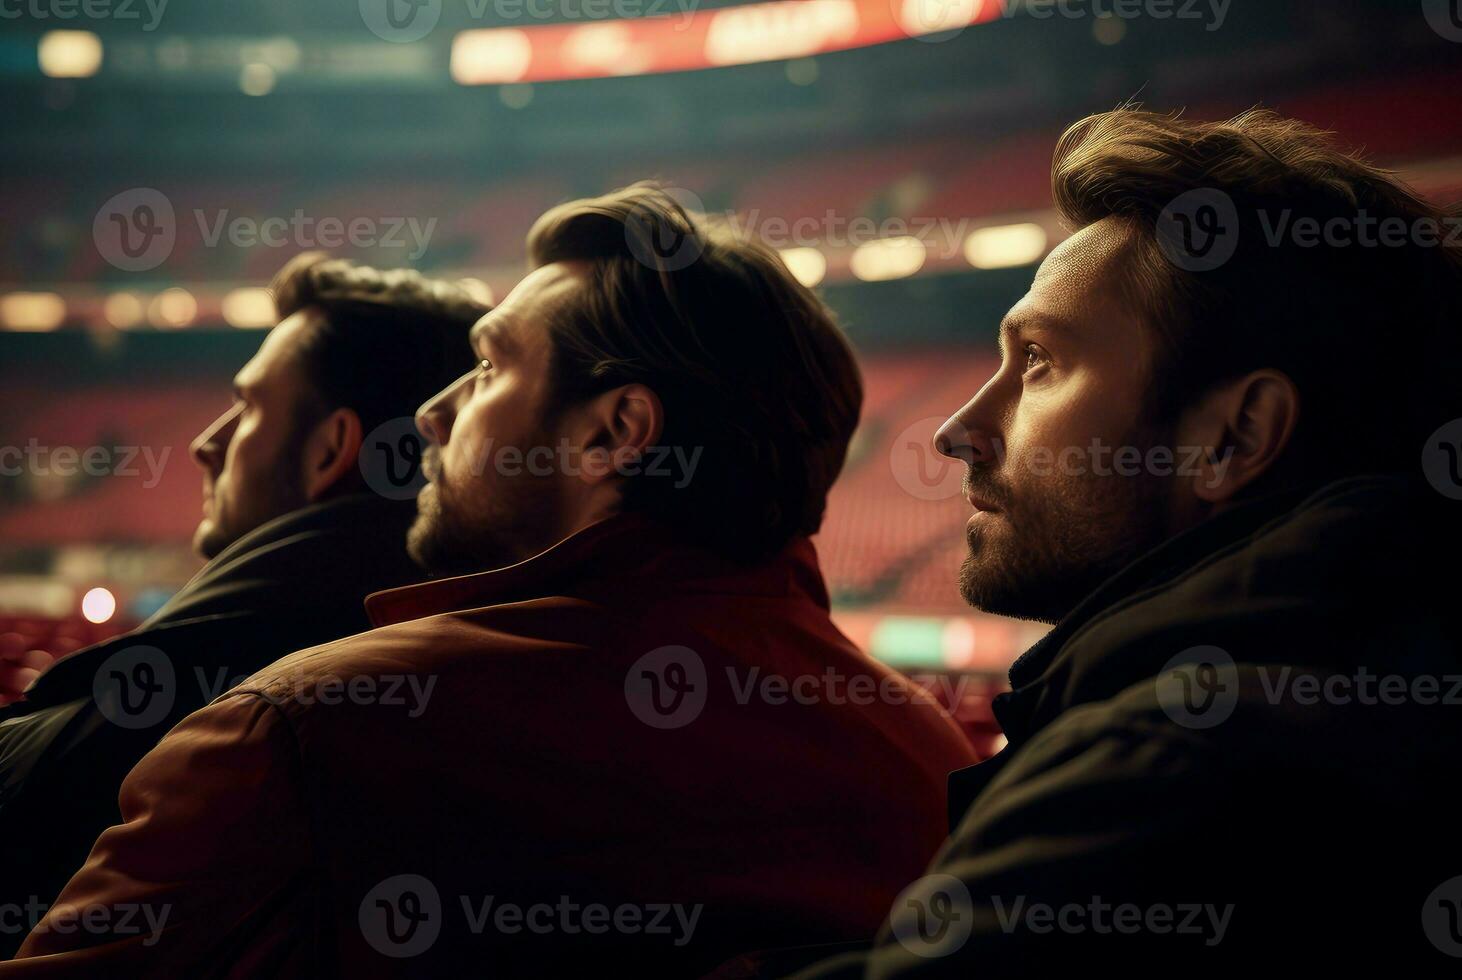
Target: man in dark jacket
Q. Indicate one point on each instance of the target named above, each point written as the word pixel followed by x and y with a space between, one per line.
pixel 1221 456
pixel 302 519
pixel 628 739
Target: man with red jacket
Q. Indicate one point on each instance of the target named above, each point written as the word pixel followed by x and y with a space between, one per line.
pixel 636 742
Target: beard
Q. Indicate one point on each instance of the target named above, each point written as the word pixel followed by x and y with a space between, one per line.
pixel 1057 537
pixel 483 525
pixel 280 491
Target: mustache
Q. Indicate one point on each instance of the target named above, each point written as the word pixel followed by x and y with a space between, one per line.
pixel 979 483
pixel 431 463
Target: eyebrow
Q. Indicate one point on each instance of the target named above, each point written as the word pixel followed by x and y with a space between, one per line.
pixel 1012 325
pixel 489 332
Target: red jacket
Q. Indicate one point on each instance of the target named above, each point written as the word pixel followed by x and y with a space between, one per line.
pixel 623 753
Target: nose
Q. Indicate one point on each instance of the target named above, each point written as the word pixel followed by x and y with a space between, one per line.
pixel 968 439
pixel 210 445
pixel 435 417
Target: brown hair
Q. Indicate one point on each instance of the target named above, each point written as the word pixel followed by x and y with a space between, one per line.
pixel 1368 334
pixel 749 364
pixel 386 341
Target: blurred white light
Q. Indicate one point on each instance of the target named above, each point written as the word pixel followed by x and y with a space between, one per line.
pixel 919 17
pixel 1003 246
pixel 888 258
pixel 806 264
pixel 772 31
pixel 515 96
pixel 491 56
pixel 256 79
pixel 69 54
pixel 600 47
pixel 124 310
pixel 172 308
pixel 32 311
pixel 98 605
pixel 479 291
pixel 249 307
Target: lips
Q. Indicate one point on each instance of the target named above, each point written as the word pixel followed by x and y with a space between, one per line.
pixel 980 503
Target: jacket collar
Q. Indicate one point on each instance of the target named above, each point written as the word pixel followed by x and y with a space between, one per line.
pixel 1124 631
pixel 356 542
pixel 625 550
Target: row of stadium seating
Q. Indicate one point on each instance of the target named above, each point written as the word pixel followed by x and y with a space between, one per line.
pixel 481 224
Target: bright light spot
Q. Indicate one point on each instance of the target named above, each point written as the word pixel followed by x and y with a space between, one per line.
pixel 69 54
pixel 32 311
pixel 802 71
pixel 1003 246
pixel 281 53
pixel 256 79
pixel 889 258
pixel 959 643
pixel 173 308
pixel 600 47
pixel 124 310
pixel 249 307
pixel 919 17
pixel 806 264
pixel 1109 30
pixel 771 31
pixel 492 56
pixel 516 96
pixel 478 290
pixel 98 605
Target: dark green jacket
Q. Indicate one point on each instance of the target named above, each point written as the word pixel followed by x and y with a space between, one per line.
pixel 1284 802
pixel 292 583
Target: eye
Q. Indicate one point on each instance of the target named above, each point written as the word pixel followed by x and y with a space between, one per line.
pixel 1035 356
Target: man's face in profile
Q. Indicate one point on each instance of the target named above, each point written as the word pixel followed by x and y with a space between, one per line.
pixel 1054 517
pixel 250 455
pixel 497 493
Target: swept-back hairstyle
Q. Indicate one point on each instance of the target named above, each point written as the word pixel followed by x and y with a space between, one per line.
pixel 754 374
pixel 1368 331
pixel 386 341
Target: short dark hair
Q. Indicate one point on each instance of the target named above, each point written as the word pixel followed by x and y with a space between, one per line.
pixel 1368 335
pixel 386 341
pixel 750 365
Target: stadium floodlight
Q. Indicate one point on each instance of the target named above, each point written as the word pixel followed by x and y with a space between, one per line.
pixel 69 54
pixel 807 264
pixel 32 311
pixel 1004 246
pixel 249 307
pixel 888 258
